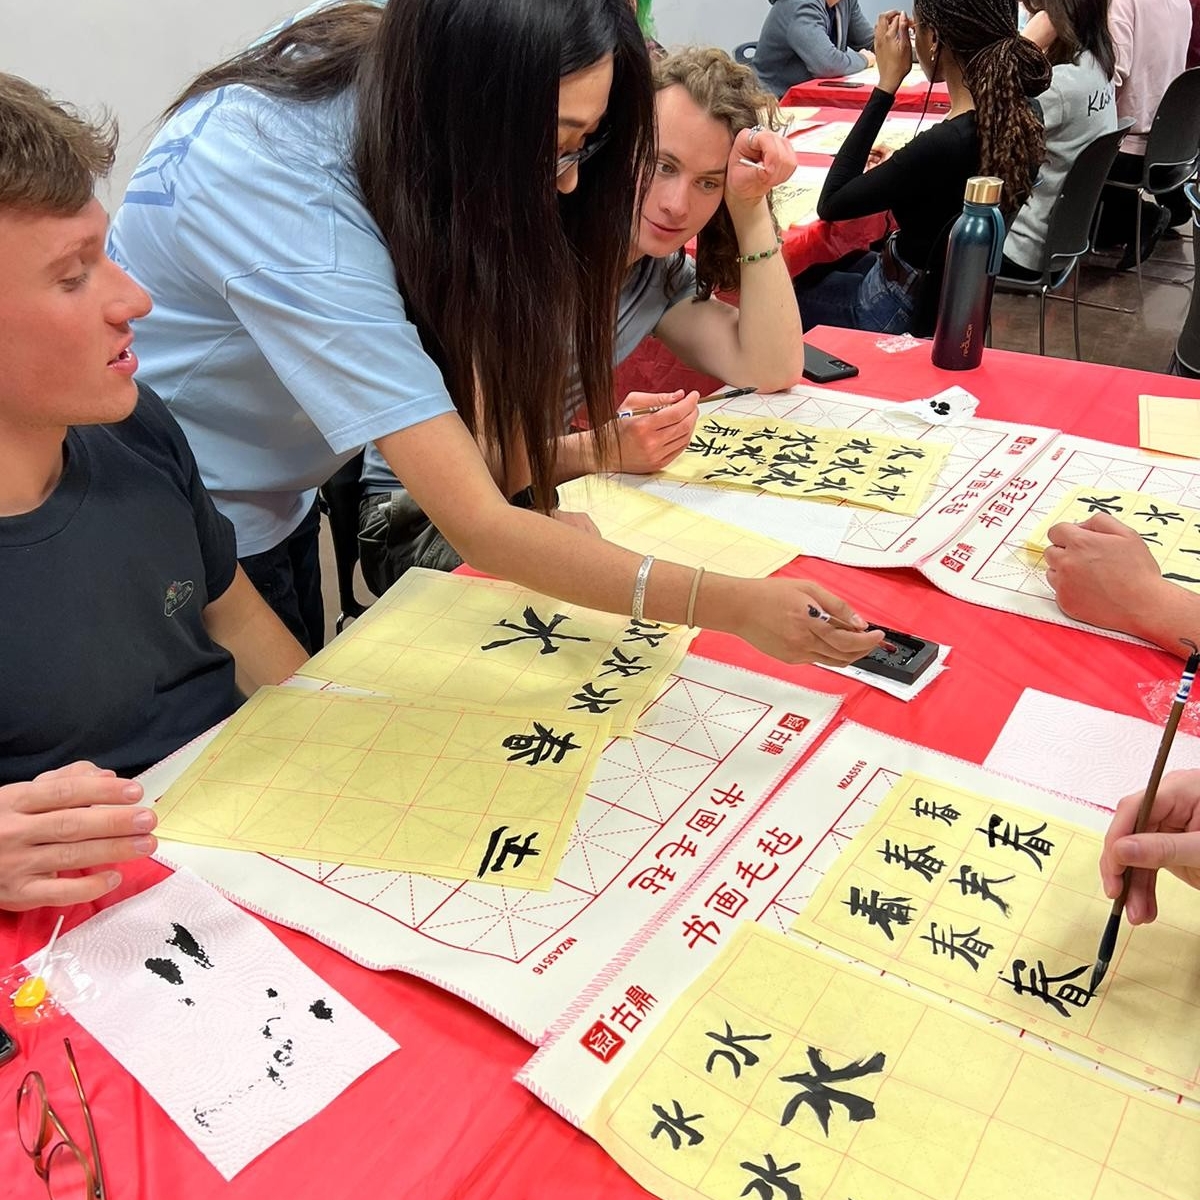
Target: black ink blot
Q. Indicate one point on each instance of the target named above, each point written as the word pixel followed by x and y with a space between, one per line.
pixel 272 993
pixel 189 1002
pixel 321 1010
pixel 164 968
pixel 184 942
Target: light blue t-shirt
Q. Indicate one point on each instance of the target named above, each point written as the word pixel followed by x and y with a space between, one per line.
pixel 278 338
pixel 653 286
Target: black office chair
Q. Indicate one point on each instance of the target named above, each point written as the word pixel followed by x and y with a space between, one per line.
pixel 1187 349
pixel 745 53
pixel 1172 148
pixel 338 497
pixel 1069 229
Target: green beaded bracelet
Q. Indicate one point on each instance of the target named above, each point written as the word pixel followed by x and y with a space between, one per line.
pixel 749 258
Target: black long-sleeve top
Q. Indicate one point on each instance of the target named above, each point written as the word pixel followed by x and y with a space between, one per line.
pixel 922 183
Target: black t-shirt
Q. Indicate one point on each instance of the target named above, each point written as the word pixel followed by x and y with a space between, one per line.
pixel 105 656
pixel 922 183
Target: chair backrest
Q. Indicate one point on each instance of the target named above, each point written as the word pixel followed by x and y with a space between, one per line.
pixel 1173 144
pixel 341 494
pixel 745 53
pixel 1187 348
pixel 1069 226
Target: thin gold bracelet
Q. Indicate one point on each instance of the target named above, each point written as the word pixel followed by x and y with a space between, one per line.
pixel 691 605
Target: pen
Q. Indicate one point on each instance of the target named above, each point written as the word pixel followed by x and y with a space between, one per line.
pixel 1108 941
pixel 640 412
pixel 840 83
pixel 819 614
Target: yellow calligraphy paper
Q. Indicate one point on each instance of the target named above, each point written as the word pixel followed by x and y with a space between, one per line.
pixel 486 643
pixel 1170 530
pixel 650 525
pixel 795 200
pixel 895 134
pixel 403 787
pixel 1170 425
pixel 1001 908
pixel 868 469
pixel 782 1073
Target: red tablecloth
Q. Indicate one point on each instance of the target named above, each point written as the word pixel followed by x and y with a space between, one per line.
pixel 836 93
pixel 442 1118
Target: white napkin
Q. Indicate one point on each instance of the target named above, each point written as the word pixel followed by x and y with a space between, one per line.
pixel 223 1025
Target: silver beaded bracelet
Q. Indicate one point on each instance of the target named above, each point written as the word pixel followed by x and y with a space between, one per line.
pixel 639 586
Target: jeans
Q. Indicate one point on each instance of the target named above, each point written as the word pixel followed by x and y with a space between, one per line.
pixel 394 535
pixel 288 577
pixel 858 297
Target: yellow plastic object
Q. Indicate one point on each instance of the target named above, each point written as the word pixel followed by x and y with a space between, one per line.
pixel 31 993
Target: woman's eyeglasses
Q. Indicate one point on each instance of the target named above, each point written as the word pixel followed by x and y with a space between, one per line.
pixel 69 1172
pixel 576 158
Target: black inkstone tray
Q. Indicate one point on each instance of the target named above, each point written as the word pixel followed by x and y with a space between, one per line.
pixel 906 664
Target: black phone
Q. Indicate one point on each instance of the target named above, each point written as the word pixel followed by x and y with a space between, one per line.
pixel 8 1046
pixel 824 368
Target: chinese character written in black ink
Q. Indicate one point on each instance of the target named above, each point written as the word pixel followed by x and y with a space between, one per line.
pixel 881 910
pixel 888 471
pixel 706 447
pixel 595 700
pixel 749 451
pixel 1025 841
pixel 968 946
pixel 676 1127
pixel 970 883
pixel 732 1047
pixel 1180 578
pixel 516 847
pixel 777 473
pixel 728 472
pixel 946 813
pixel 540 745
pixel 1106 504
pixel 830 485
pixel 884 491
pixel 905 452
pixel 1159 514
pixel 794 458
pixel 844 462
pixel 726 431
pixel 816 1092
pixel 919 860
pixel 535 629
pixel 798 440
pixel 769 1177
pixel 645 631
pixel 857 446
pixel 1038 984
pixel 624 665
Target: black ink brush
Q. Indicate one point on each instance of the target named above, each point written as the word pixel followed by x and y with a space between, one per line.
pixel 1108 942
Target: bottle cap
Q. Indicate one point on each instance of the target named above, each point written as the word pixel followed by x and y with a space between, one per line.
pixel 984 189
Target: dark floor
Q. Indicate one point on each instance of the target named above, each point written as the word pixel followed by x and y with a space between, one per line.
pixel 1143 338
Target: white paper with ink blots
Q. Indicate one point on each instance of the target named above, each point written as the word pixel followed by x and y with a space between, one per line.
pixel 236 1039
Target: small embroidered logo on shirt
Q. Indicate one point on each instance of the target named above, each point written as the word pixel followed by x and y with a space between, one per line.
pixel 177 595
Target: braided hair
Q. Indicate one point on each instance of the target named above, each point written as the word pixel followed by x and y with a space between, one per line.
pixel 1002 70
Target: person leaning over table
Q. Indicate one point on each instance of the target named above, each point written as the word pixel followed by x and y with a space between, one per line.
pixel 128 625
pixel 812 39
pixel 707 111
pixel 1078 107
pixel 991 129
pixel 378 225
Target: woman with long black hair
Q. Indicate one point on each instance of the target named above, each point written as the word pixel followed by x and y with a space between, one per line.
pixel 409 225
pixel 991 129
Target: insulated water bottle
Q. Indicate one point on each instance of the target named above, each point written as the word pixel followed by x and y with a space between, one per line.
pixel 973 257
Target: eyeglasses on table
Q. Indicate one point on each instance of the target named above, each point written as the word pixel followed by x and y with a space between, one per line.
pixel 68 1171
